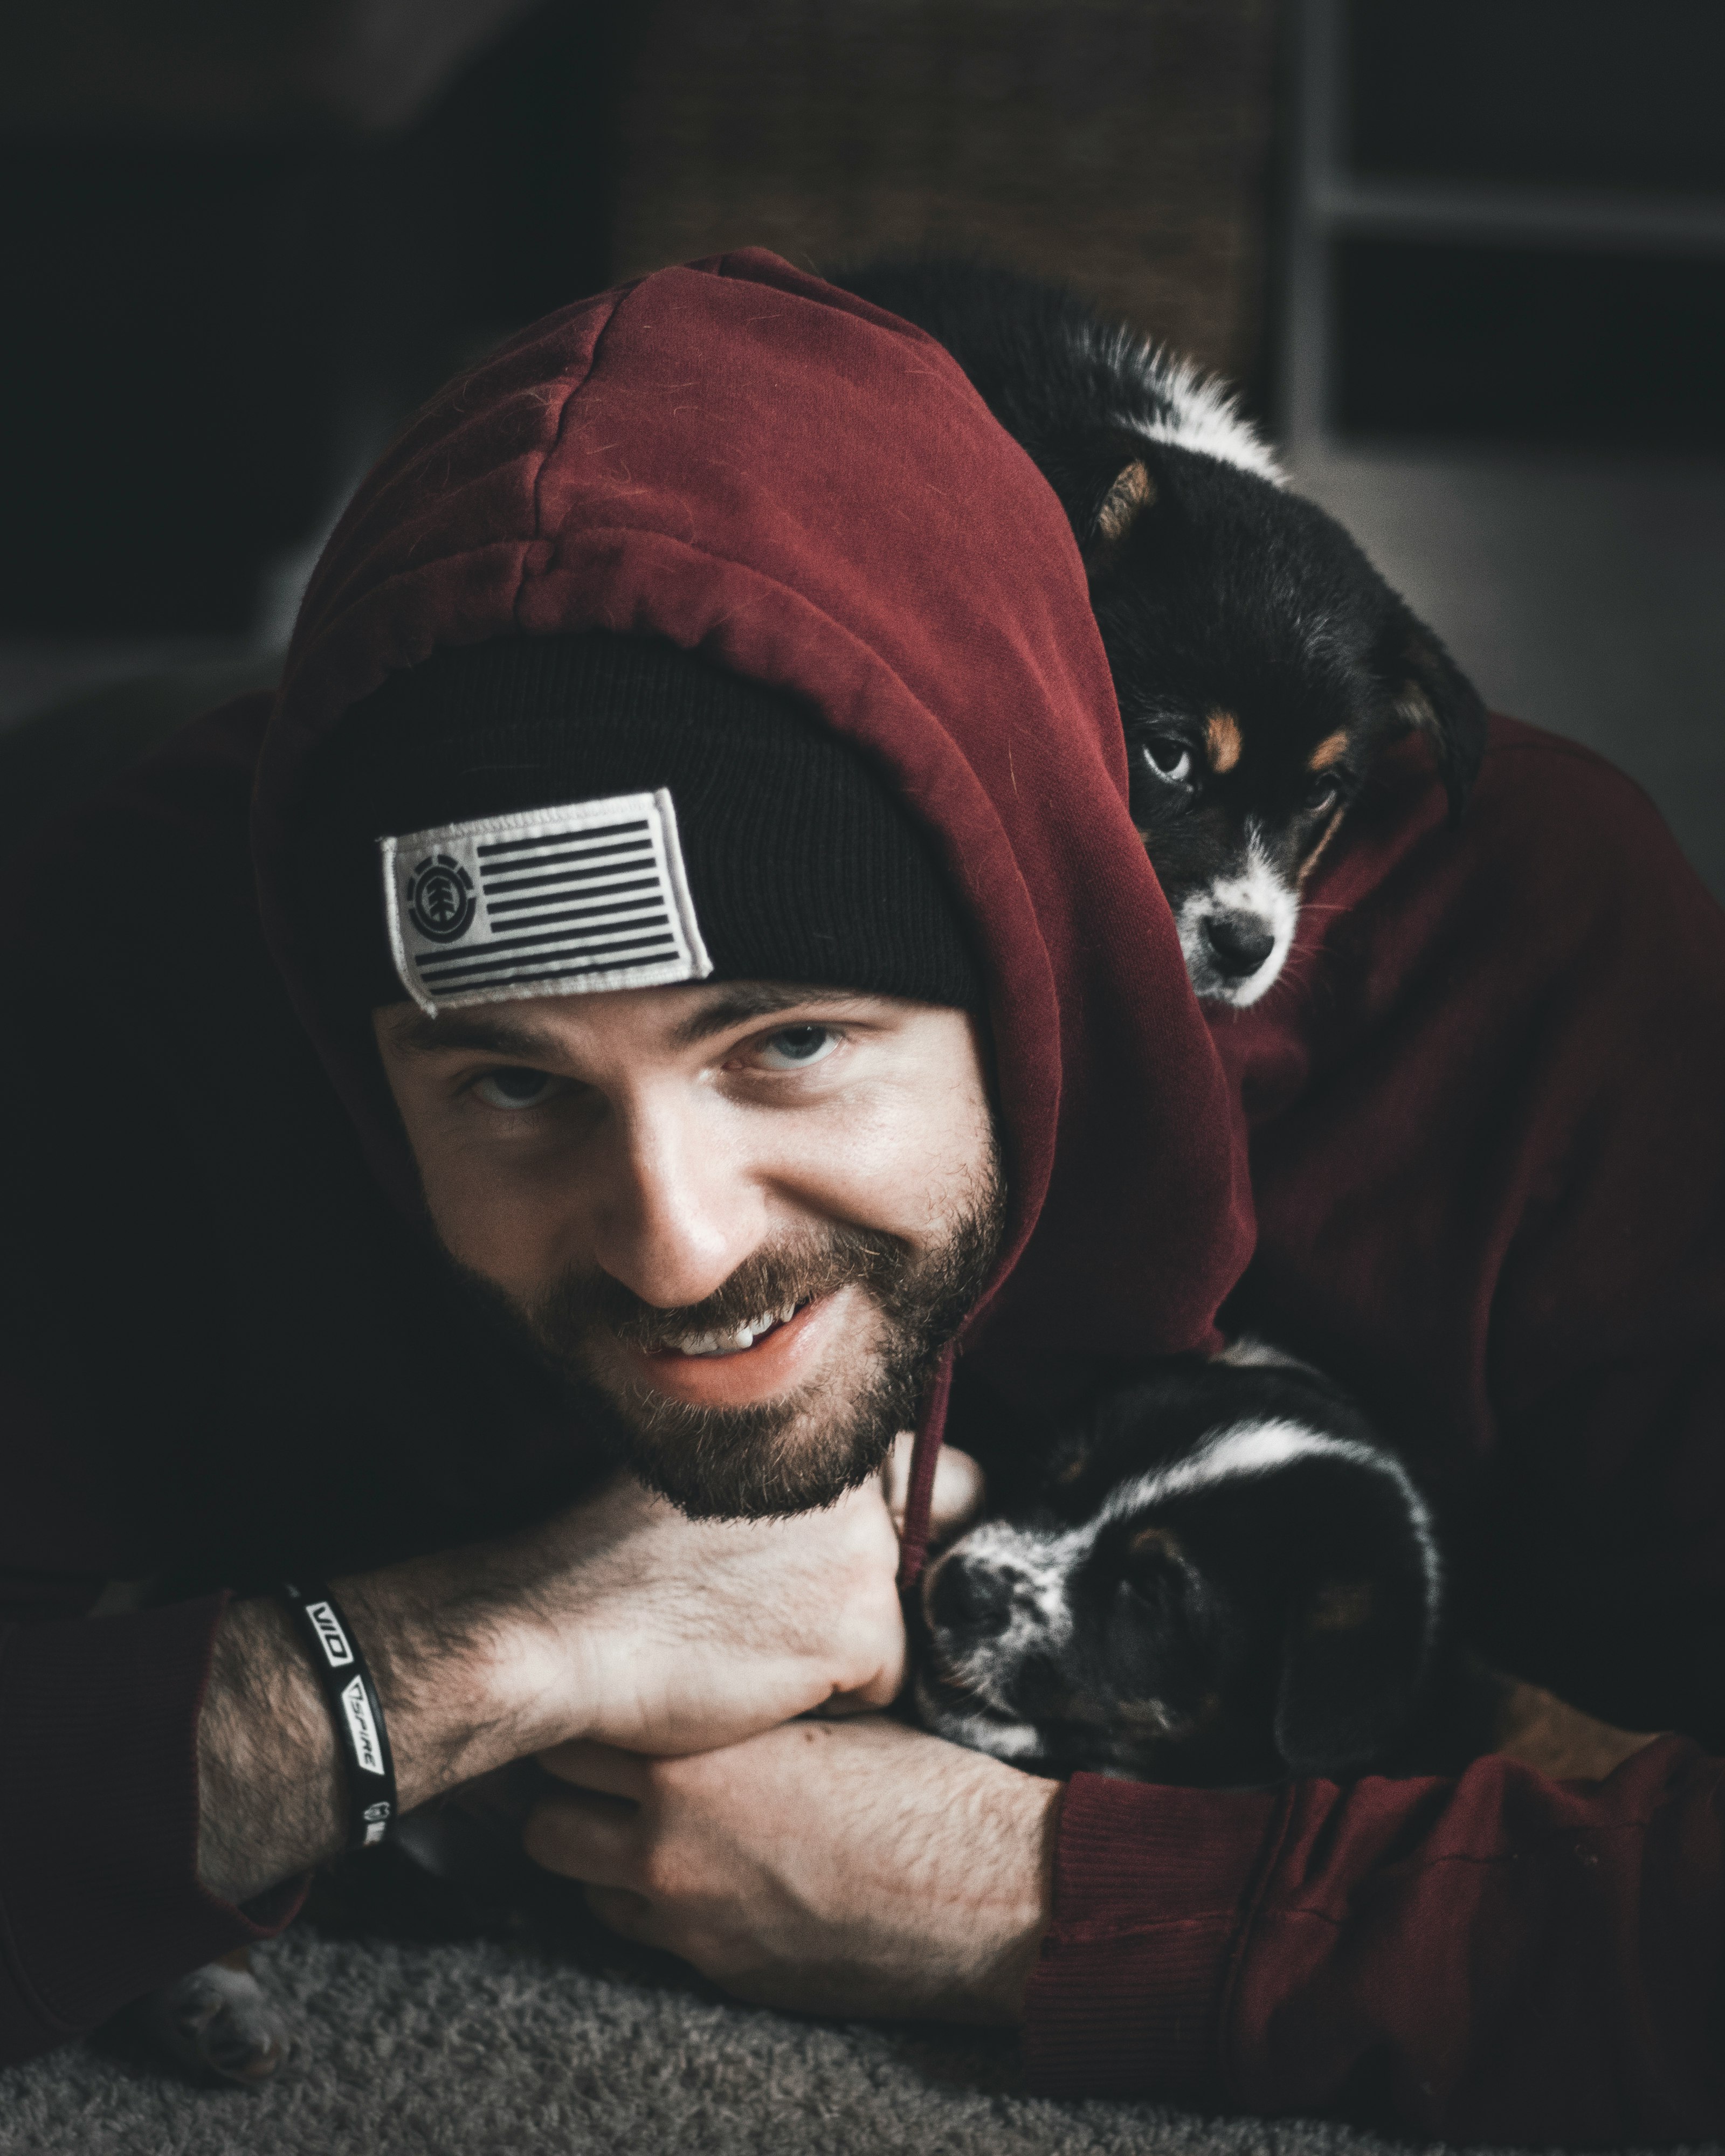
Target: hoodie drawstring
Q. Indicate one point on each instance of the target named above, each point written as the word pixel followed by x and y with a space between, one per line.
pixel 913 1543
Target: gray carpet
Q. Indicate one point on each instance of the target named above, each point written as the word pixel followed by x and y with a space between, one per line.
pixel 517 2044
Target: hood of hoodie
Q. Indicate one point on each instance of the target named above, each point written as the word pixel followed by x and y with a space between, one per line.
pixel 740 459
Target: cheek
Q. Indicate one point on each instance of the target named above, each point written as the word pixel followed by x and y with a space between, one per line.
pixel 926 1156
pixel 1189 852
pixel 506 1211
pixel 500 1209
pixel 903 1161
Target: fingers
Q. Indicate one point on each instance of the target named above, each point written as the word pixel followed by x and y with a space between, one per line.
pixel 959 1488
pixel 881 1690
pixel 842 1706
pixel 957 1495
pixel 601 1767
pixel 630 1914
pixel 592 1839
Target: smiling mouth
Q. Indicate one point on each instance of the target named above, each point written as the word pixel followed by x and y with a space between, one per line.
pixel 703 1346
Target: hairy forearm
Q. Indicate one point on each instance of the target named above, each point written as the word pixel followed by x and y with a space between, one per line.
pixel 269 1791
pixel 272 1786
pixel 620 1622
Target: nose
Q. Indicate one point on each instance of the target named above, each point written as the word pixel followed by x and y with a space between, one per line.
pixel 971 1599
pixel 677 1208
pixel 1240 943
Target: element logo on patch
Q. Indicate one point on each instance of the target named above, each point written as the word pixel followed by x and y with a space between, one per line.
pixel 440 899
pixel 545 902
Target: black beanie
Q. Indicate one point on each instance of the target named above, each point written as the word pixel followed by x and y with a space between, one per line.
pixel 709 819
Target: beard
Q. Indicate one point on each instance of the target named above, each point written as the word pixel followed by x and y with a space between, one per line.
pixel 774 1457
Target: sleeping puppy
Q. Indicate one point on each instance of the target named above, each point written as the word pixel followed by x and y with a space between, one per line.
pixel 1260 663
pixel 1221 1577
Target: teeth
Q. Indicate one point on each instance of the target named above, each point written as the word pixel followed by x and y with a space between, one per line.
pixel 728 1343
pixel 733 1343
pixel 698 1344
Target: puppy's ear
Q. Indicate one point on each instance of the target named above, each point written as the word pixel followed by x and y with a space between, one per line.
pixel 1130 493
pixel 1104 484
pixel 1155 1607
pixel 1432 694
pixel 1352 1663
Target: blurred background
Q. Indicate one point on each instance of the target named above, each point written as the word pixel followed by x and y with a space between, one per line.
pixel 1464 258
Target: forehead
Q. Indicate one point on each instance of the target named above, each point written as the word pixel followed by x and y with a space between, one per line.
pixel 666 1020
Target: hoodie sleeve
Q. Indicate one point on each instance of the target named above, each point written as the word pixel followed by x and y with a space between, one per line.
pixel 99 1901
pixel 1500 1957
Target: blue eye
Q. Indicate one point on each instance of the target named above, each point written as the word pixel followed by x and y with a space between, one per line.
pixel 517 1088
pixel 799 1046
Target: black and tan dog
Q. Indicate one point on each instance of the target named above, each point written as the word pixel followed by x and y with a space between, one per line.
pixel 1259 661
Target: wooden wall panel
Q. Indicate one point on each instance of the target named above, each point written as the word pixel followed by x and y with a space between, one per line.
pixel 1123 144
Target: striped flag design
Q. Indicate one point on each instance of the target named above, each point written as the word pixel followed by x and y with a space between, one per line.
pixel 547 901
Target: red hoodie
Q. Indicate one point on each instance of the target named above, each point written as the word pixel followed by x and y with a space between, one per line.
pixel 1485 1143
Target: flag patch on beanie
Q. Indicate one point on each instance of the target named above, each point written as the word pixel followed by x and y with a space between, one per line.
pixel 543 902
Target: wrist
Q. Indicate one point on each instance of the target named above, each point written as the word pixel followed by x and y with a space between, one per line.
pixel 445 1655
pixel 1028 1831
pixel 356 1708
pixel 270 1780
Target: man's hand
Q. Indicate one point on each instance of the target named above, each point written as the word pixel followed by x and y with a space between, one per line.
pixel 621 1621
pixel 668 1635
pixel 848 1867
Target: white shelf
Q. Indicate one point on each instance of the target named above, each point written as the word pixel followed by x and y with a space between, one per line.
pixel 1550 217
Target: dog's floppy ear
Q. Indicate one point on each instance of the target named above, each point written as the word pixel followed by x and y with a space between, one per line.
pixel 1157 1602
pixel 1130 493
pixel 1431 694
pixel 1104 483
pixel 1355 1652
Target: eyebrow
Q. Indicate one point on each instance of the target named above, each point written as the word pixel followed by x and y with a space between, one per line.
pixel 735 1005
pixel 752 1000
pixel 421 1036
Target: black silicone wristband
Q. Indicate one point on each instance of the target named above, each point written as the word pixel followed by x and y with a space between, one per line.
pixel 354 1707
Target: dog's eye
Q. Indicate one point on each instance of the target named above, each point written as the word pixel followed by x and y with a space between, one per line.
pixel 1321 800
pixel 1168 760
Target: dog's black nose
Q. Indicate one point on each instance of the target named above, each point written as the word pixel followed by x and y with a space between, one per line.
pixel 969 1598
pixel 1240 942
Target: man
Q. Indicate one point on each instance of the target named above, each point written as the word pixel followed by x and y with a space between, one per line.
pixel 734 572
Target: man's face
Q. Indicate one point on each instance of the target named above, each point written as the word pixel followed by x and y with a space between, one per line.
pixel 747 1216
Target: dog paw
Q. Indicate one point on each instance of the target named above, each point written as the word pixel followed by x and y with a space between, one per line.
pixel 221 2023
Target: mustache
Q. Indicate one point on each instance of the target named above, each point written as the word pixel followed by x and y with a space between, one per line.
pixel 577 1306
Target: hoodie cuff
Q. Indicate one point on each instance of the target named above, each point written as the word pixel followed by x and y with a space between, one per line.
pixel 100 1899
pixel 1152 1886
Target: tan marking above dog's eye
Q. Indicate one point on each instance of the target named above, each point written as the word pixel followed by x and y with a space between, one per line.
pixel 1157 1542
pixel 1073 1469
pixel 1330 750
pixel 1222 741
